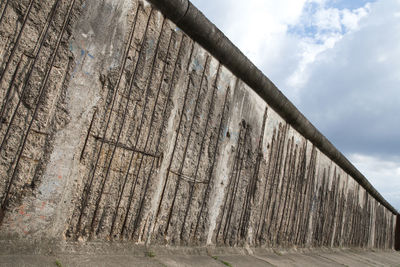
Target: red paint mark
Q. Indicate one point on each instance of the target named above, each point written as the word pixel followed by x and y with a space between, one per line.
pixel 60 177
pixel 21 210
pixel 42 217
pixel 43 204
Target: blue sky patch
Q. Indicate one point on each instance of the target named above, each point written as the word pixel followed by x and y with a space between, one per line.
pixel 347 4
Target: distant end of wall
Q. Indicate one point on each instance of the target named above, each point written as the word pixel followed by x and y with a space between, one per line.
pixel 397 234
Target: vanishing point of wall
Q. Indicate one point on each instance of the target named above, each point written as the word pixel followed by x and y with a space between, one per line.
pixel 115 125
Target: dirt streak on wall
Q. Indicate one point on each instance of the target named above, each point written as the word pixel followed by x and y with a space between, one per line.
pixel 115 125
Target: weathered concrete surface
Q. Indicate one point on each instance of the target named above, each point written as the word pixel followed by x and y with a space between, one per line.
pixel 116 126
pixel 158 256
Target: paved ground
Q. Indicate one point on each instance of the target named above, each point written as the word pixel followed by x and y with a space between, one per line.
pixel 203 258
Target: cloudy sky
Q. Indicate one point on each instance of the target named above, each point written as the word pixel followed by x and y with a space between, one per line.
pixel 338 61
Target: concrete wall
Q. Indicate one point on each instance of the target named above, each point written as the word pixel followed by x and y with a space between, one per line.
pixel 116 125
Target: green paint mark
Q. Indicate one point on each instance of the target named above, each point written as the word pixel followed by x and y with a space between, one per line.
pixel 221 261
pixel 150 254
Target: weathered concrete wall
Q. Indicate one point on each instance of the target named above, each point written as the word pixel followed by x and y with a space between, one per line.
pixel 116 125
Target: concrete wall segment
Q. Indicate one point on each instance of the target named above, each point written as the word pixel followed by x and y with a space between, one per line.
pixel 142 135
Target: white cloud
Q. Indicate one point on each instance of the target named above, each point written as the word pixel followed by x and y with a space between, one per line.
pixel 350 19
pixel 328 19
pixel 318 30
pixel 259 29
